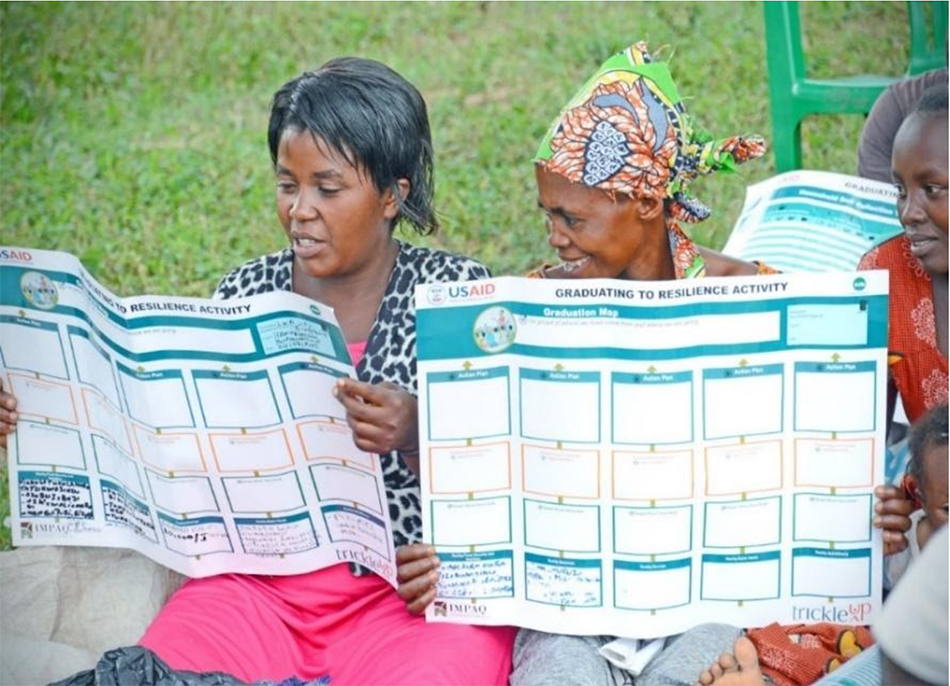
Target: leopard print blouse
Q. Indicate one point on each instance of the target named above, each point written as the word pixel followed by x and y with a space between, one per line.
pixel 390 350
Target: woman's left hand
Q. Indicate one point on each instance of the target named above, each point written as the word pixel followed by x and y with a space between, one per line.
pixel 892 516
pixel 383 417
pixel 418 574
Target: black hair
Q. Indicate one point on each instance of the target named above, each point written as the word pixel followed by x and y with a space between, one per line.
pixel 927 432
pixel 933 102
pixel 372 117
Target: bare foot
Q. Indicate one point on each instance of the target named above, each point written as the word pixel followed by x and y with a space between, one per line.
pixel 738 669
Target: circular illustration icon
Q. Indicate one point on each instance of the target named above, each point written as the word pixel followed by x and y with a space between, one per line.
pixel 494 329
pixel 435 294
pixel 39 290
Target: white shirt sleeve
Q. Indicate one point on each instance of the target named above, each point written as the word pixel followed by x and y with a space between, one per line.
pixel 912 629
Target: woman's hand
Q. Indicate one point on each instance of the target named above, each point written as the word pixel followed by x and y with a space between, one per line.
pixel 383 417
pixel 892 516
pixel 8 415
pixel 417 571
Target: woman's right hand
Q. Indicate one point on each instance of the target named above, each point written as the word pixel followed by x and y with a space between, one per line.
pixel 417 571
pixel 8 415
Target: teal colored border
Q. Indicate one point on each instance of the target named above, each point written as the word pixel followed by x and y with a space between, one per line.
pixel 785 211
pixel 870 205
pixel 665 507
pixel 664 454
pixel 832 495
pixel 197 374
pixel 164 520
pixel 34 324
pixel 257 521
pixel 82 333
pixel 545 375
pixel 781 454
pixel 128 487
pixel 741 559
pixel 227 495
pixel 524 524
pixel 654 567
pixel 546 561
pixel 337 465
pixel 626 378
pixel 82 448
pixel 822 368
pixel 188 477
pixel 432 344
pixel 264 339
pixel 461 558
pixel 832 554
pixel 729 372
pixel 352 510
pixel 78 479
pixel 476 375
pixel 105 485
pixel 778 533
pixel 523 469
pixel 11 295
pixel 293 367
pixel 155 375
pixel 466 545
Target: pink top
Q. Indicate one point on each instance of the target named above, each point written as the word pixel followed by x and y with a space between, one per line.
pixel 356 351
pixel 327 623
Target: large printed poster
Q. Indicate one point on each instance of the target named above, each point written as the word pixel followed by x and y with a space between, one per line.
pixel 635 458
pixel 202 433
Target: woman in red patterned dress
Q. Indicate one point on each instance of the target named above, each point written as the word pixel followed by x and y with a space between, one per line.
pixel 917 260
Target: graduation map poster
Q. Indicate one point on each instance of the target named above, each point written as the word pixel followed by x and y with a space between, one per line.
pixel 636 458
pixel 201 433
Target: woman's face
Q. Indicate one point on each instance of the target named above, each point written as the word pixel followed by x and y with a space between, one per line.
pixel 595 236
pixel 332 213
pixel 919 167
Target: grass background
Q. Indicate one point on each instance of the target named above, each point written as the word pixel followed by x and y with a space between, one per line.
pixel 134 134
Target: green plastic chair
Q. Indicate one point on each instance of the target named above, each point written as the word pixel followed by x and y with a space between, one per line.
pixel 794 96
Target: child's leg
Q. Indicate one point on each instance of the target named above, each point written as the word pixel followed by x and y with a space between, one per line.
pixel 542 659
pixel 687 655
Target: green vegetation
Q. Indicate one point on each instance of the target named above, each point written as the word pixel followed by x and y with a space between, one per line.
pixel 133 134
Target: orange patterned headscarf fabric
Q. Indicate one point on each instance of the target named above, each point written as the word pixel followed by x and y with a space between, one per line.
pixel 626 131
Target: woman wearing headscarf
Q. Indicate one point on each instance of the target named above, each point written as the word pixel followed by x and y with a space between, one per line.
pixel 613 171
pixel 612 174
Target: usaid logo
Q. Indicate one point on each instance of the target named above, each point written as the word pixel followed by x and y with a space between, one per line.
pixel 470 291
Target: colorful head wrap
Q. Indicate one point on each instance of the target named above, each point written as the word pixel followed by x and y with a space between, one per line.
pixel 626 131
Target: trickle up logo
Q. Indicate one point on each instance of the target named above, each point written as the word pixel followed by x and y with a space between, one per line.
pixel 853 613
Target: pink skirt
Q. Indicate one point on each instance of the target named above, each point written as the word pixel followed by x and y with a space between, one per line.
pixel 355 630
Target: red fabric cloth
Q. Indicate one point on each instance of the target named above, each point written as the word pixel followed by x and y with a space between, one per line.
pixel 328 622
pixel 818 650
pixel 916 365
